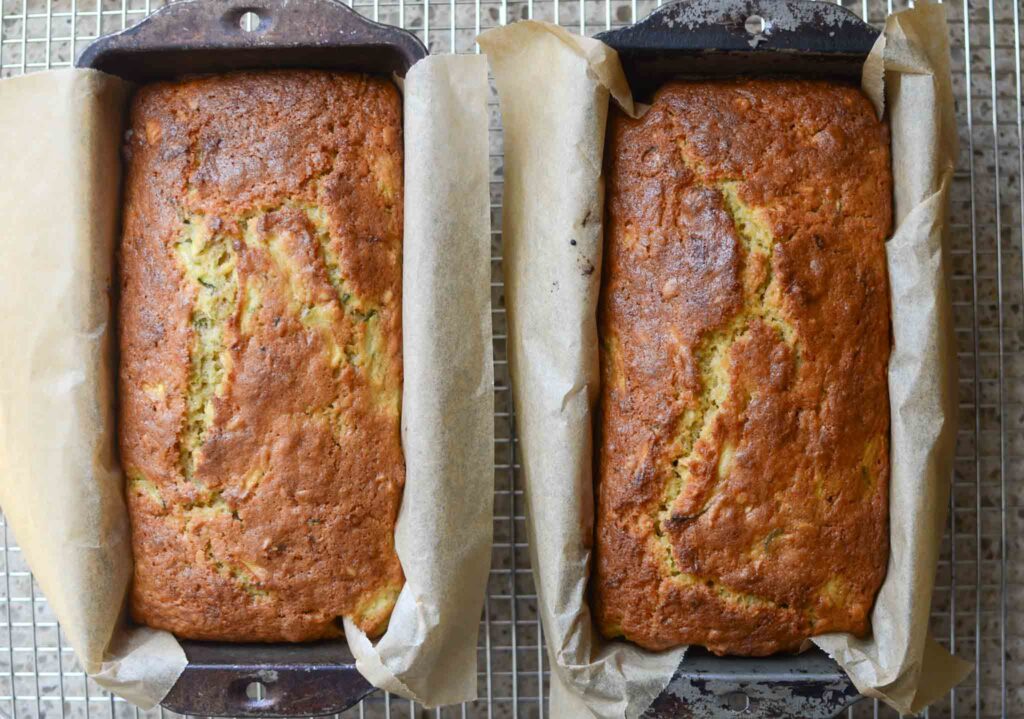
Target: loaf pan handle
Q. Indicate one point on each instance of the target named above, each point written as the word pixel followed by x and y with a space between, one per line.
pixel 741 37
pixel 205 36
pixel 808 685
pixel 242 680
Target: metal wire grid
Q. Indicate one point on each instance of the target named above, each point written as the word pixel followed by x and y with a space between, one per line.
pixel 979 598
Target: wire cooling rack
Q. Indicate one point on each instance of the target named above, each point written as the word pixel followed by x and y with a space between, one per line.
pixel 978 607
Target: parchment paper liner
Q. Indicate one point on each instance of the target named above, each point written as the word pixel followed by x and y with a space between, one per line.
pixel 61 486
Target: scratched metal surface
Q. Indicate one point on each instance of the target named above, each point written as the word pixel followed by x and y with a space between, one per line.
pixel 978 606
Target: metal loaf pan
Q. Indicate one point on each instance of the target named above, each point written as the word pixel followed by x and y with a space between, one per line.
pixel 209 36
pixel 708 38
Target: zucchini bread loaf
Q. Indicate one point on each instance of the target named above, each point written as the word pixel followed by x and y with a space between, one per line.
pixel 744 322
pixel 261 370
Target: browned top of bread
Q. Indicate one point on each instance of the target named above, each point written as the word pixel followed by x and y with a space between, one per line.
pixel 744 321
pixel 261 369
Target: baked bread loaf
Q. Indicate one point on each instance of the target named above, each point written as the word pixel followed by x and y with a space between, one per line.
pixel 261 367
pixel 744 324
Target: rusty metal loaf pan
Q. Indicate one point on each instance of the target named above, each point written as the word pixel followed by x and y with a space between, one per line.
pixel 210 36
pixel 708 38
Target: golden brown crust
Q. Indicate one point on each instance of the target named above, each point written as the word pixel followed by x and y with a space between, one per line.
pixel 261 359
pixel 744 320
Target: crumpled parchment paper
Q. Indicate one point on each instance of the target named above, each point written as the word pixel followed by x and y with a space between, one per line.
pixel 61 485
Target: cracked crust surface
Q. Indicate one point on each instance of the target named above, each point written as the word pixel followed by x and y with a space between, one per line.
pixel 743 453
pixel 261 371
